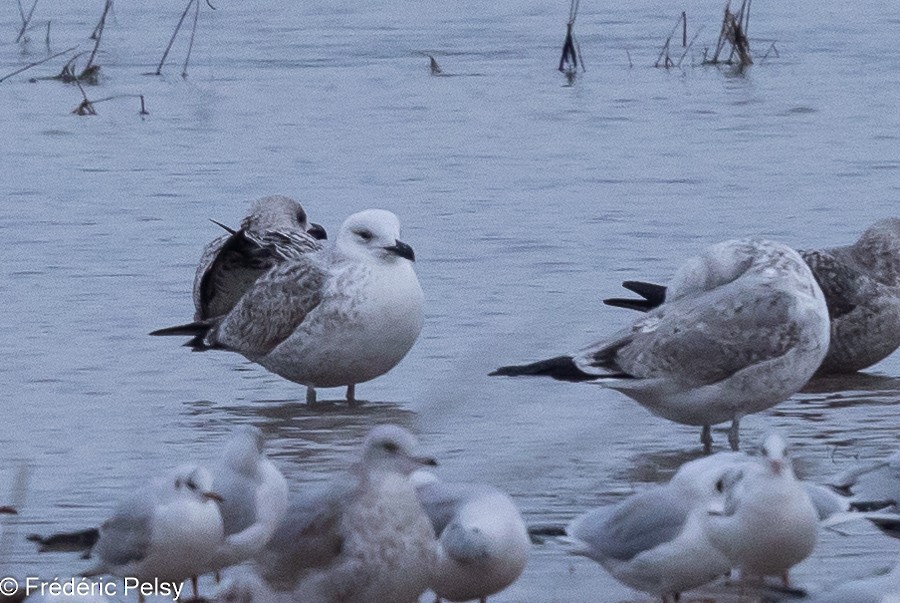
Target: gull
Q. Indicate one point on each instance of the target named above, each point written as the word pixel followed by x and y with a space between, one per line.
pixel 231 263
pixel 766 523
pixel 363 537
pixel 167 530
pixel 332 318
pixel 883 588
pixel 254 498
pixel 861 284
pixel 871 485
pixel 743 328
pixel 654 541
pixel 483 543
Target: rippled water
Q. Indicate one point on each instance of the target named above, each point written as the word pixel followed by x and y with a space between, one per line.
pixel 527 202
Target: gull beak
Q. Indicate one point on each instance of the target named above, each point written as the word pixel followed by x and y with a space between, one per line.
pixel 402 249
pixel 8 511
pixel 317 231
pixel 213 496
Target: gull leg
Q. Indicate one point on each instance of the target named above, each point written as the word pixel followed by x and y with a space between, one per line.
pixel 310 394
pixel 194 586
pixel 785 580
pixel 351 394
pixel 706 439
pixel 141 598
pixel 218 576
pixel 734 437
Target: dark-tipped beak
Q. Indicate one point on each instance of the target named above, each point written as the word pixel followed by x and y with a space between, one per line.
pixel 8 511
pixel 317 231
pixel 403 250
pixel 213 496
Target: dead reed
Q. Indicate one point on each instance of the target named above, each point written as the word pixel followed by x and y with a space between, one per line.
pixel 571 57
pixel 196 6
pixel 734 34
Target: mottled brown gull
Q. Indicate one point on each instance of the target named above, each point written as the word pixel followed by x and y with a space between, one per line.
pixel 337 317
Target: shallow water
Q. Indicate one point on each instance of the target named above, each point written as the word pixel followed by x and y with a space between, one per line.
pixel 527 201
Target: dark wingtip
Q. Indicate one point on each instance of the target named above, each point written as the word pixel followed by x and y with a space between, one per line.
pixel 562 368
pixel 191 328
pixel 641 305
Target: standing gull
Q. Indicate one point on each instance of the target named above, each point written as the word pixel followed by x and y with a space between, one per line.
pixel 167 530
pixel 766 523
pixel 363 538
pixel 654 541
pixel 861 283
pixel 482 541
pixel 332 318
pixel 254 498
pixel 743 328
pixel 232 262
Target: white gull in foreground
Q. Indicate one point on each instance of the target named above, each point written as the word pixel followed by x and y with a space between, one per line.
pixel 654 541
pixel 766 522
pixel 744 327
pixel 254 498
pixel 861 283
pixel 231 263
pixel 167 530
pixel 483 543
pixel 363 538
pixel 333 318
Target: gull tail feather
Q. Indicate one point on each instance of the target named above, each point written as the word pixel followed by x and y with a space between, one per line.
pixel 561 368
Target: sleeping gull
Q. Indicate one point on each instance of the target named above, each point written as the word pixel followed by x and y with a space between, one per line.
pixel 883 588
pixel 861 283
pixel 766 523
pixel 167 530
pixel 362 538
pixel 232 262
pixel 254 498
pixel 482 544
pixel 336 317
pixel 744 327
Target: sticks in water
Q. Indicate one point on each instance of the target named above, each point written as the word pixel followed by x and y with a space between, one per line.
pixel 571 51
pixel 734 32
pixel 184 13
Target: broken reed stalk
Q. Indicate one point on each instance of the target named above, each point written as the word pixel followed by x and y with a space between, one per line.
pixel 688 48
pixel 36 63
pixel 47 38
pixel 568 61
pixel 433 65
pixel 174 33
pixel 684 29
pixel 187 58
pixel 664 51
pixel 99 35
pixel 86 107
pixel 21 10
pixel 734 32
pixel 26 20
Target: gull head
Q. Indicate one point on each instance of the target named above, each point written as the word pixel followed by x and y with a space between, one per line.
pixel 280 212
pixel 878 249
pixel 775 453
pixel 392 448
pixel 196 482
pixel 244 448
pixel 373 235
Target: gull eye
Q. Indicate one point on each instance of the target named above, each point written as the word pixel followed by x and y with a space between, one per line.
pixel 363 234
pixel 191 484
pixel 720 485
pixel 301 216
pixel 391 447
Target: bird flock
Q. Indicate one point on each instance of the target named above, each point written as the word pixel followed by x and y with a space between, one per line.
pixel 739 328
